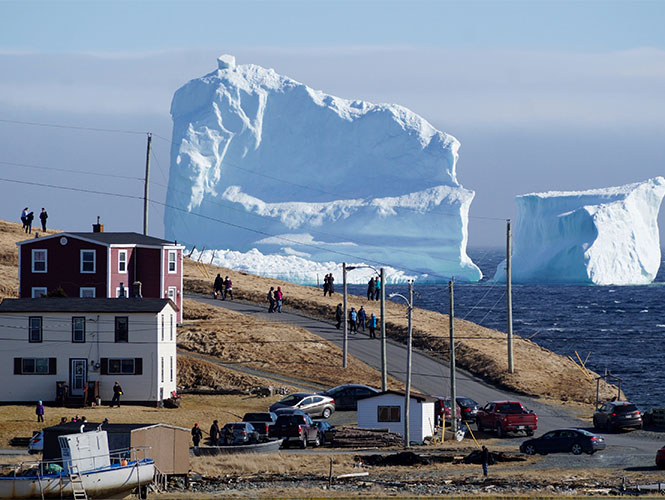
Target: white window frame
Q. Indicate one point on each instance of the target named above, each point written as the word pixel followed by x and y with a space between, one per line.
pixel 76 322
pixel 121 361
pixel 171 293
pixel 36 325
pixel 117 292
pixel 38 291
pixel 173 253
pixel 94 260
pixel 162 369
pixel 38 362
pixel 171 319
pixel 88 289
pixel 34 252
pixel 171 368
pixel 122 261
pixel 163 331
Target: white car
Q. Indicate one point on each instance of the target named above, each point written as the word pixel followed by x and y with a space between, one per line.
pixel 36 444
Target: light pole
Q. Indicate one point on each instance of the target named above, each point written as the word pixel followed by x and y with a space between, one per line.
pixel 407 393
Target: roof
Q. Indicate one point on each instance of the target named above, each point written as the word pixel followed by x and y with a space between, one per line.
pixel 85 305
pixel 109 239
pixel 413 395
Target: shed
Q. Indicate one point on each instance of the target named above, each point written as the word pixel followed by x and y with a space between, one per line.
pixel 385 410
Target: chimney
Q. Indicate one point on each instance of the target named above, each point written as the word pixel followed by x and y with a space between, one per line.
pixel 98 228
pixel 121 293
pixel 136 290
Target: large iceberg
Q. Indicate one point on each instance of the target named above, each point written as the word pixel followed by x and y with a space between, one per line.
pixel 262 161
pixel 601 236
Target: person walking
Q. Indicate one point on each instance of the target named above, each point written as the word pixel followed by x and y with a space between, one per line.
pixel 271 299
pixel 24 217
pixel 218 286
pixel 371 288
pixel 353 320
pixel 117 392
pixel 485 459
pixel 362 317
pixel 42 217
pixel 339 314
pixel 325 284
pixel 39 411
pixel 28 222
pixel 228 287
pixel 331 285
pixel 278 299
pixel 196 434
pixel 214 433
pixel 372 326
pixel 377 288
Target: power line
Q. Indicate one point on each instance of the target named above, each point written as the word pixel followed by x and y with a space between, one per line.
pixel 73 127
pixel 13 164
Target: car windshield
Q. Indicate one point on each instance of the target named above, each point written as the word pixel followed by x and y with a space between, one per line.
pixel 290 420
pixel 466 402
pixel 292 399
pixel 625 408
pixel 509 408
pixel 239 427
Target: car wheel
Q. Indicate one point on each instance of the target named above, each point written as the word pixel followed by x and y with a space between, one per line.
pixel 500 433
pixel 529 432
pixel 530 449
pixel 303 443
pixel 576 449
pixel 317 441
pixel 326 413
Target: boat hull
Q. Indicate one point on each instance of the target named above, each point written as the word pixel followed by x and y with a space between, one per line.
pixel 268 447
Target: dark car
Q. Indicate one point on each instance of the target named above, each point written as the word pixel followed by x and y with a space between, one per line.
pixel 615 415
pixel 346 396
pixel 238 433
pixel 575 441
pixel 468 407
pixel 295 427
pixel 316 405
pixel 326 431
pixel 660 458
pixel 261 421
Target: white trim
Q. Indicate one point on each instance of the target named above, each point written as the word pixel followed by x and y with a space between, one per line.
pixel 108 272
pixel 32 266
pixel 94 260
pixel 175 261
pixel 88 288
pixel 122 252
pixel 161 274
pixel 37 291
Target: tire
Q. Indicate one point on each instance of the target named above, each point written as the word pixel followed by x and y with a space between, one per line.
pixel 576 449
pixel 326 413
pixel 317 441
pixel 500 433
pixel 303 443
pixel 530 449
pixel 529 432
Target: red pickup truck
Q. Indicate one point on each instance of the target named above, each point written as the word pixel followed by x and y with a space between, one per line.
pixel 295 427
pixel 506 416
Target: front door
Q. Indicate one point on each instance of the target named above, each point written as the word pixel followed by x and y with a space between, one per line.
pixel 78 376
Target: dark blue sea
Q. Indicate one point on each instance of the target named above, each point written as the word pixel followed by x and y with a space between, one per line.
pixel 620 329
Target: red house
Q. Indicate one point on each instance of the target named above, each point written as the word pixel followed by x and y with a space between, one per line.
pixel 100 264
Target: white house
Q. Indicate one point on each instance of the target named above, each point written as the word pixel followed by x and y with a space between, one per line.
pixel 386 410
pixel 88 344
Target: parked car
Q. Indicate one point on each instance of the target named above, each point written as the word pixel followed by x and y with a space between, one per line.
pixel 443 410
pixel 289 411
pixel 506 416
pixel 660 458
pixel 235 433
pixel 574 441
pixel 468 407
pixel 316 405
pixel 615 415
pixel 36 444
pixel 261 421
pixel 326 431
pixel 295 427
pixel 346 396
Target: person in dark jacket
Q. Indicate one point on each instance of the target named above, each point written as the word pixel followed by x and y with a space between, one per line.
pixel 42 217
pixel 339 314
pixel 218 286
pixel 377 290
pixel 24 216
pixel 271 299
pixel 371 287
pixel 28 222
pixel 214 433
pixel 196 434
pixel 117 392
pixel 362 317
pixel 228 288
pixel 331 285
pixel 325 284
pixel 39 411
pixel 485 459
pixel 353 320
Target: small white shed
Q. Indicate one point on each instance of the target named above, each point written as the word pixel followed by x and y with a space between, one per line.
pixel 385 410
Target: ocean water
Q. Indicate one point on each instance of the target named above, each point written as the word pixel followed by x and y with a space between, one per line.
pixel 620 329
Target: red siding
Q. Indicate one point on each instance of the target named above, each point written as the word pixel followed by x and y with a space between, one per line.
pixel 126 278
pixel 173 279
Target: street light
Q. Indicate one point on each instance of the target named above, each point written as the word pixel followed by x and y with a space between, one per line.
pixel 407 394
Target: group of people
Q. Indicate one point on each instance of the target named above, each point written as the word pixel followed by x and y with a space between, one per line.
pixel 275 298
pixel 374 288
pixel 223 287
pixel 215 434
pixel 27 218
pixel 357 319
pixel 328 285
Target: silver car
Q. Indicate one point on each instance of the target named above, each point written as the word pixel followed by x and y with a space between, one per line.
pixel 316 405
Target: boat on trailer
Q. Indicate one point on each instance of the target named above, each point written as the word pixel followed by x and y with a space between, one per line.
pixel 87 470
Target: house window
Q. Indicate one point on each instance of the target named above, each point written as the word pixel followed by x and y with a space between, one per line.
pixel 171 368
pixel 87 292
pixel 125 292
pixel 35 366
pixel 171 318
pixel 122 261
pixel 122 329
pixel 35 329
pixel 39 264
pixel 173 255
pixel 121 366
pixel 78 329
pixel 38 292
pixel 171 293
pixel 388 414
pixel 162 363
pixel 88 261
pixel 162 328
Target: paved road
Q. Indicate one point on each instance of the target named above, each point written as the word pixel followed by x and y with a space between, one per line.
pixel 432 376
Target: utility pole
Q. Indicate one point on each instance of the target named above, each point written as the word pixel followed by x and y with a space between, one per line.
pixel 407 394
pixel 509 301
pixel 345 342
pixel 384 361
pixel 453 389
pixel 147 184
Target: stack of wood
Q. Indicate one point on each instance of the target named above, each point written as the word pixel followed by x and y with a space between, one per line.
pixel 352 437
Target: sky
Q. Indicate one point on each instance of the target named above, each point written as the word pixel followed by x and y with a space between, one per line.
pixel 542 95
